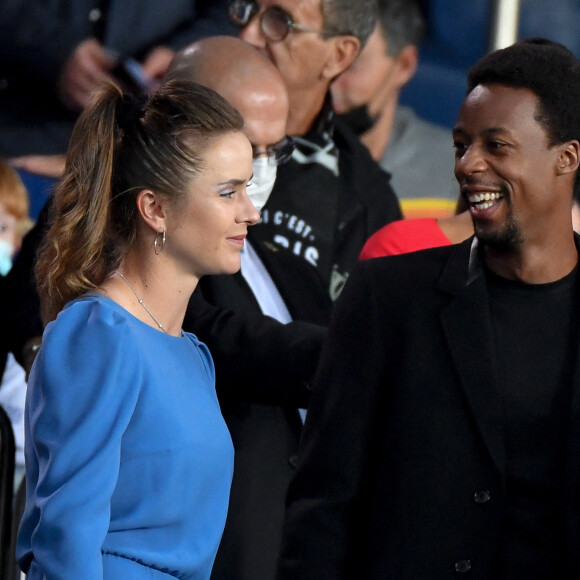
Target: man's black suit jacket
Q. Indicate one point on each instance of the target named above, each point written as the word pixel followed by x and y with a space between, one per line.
pixel 263 369
pixel 402 465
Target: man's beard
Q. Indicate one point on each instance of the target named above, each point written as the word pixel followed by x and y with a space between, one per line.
pixel 507 239
pixel 358 119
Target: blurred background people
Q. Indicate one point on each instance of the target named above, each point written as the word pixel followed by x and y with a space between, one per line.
pixel 459 33
pixel 260 397
pixel 14 224
pixel 414 234
pixel 331 196
pixel 15 221
pixel 127 454
pixel 417 153
pixel 54 55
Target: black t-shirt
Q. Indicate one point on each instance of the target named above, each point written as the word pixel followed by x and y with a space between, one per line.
pixel 534 353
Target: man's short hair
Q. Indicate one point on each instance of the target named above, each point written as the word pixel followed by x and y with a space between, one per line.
pixel 355 17
pixel 402 24
pixel 546 68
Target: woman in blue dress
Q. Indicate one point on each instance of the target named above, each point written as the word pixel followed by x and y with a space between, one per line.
pixel 128 460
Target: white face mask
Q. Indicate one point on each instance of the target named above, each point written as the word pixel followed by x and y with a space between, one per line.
pixel 262 183
pixel 6 251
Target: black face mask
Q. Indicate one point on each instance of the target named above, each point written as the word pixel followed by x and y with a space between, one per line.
pixel 358 119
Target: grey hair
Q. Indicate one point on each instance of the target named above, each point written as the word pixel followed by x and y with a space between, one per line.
pixel 355 17
pixel 402 24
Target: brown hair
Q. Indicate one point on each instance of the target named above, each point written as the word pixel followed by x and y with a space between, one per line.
pixel 14 198
pixel 119 147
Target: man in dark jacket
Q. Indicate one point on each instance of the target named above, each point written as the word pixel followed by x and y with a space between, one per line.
pixel 332 195
pixel 442 437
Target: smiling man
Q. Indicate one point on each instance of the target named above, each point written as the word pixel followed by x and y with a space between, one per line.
pixel 443 432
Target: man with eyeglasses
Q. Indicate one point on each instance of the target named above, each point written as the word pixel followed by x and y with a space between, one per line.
pixel 332 195
pixel 259 395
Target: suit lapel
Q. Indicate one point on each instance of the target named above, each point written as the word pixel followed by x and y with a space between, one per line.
pixel 467 326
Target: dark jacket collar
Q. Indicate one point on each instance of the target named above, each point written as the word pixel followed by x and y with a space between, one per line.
pixel 466 321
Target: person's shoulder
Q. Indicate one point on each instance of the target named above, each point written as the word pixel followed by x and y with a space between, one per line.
pixel 414 124
pixel 392 285
pixel 94 306
pixel 401 237
pixel 370 181
pixel 405 268
pixel 349 144
pixel 91 334
pixel 408 227
pixel 99 315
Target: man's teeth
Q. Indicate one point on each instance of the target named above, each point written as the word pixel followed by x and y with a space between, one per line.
pixel 484 200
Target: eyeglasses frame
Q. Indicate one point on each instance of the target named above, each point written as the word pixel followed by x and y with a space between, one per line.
pixel 278 153
pixel 252 9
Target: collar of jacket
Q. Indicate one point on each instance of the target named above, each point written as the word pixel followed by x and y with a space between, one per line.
pixel 322 131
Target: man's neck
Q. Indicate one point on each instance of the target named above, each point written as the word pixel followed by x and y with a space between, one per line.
pixel 304 109
pixel 535 263
pixel 377 137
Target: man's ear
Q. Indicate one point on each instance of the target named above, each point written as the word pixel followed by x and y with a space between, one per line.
pixel 406 65
pixel 345 50
pixel 569 158
pixel 150 209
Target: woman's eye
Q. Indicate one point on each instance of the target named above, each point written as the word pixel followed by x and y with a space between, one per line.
pixel 227 194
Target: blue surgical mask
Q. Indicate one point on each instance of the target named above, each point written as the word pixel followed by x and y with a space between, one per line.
pixel 262 183
pixel 6 251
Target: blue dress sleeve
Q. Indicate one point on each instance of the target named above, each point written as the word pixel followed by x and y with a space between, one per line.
pixel 82 393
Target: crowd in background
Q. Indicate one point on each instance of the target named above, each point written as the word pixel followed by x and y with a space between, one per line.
pixel 184 195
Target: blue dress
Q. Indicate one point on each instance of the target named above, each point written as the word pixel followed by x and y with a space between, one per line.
pixel 129 462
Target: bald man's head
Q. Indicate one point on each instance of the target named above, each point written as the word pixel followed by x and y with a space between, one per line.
pixel 244 77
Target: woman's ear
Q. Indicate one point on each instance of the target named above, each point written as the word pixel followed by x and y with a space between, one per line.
pixel 149 206
pixel 345 50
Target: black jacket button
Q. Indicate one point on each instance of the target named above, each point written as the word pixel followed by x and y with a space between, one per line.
pixel 293 460
pixel 462 566
pixel 482 496
pixel 95 15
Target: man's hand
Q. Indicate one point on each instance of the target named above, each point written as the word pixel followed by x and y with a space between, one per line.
pixel 157 62
pixel 86 69
pixel 29 352
pixel 46 165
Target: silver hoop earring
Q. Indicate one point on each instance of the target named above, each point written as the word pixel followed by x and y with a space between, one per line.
pixel 158 248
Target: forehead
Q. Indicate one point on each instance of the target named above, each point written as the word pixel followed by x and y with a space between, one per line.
pixel 499 108
pixel 229 147
pixel 374 51
pixel 6 219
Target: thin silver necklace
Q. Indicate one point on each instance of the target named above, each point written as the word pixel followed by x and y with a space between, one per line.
pixel 141 302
